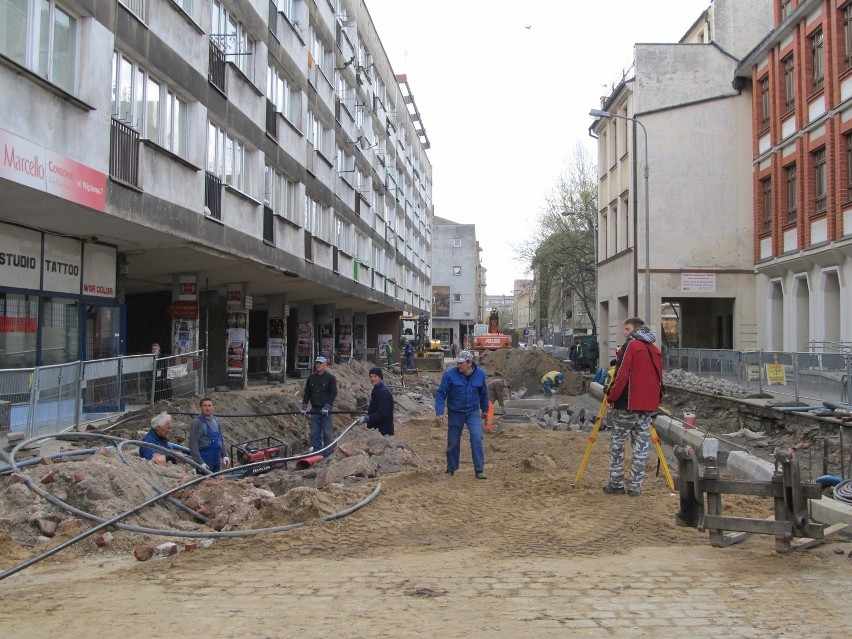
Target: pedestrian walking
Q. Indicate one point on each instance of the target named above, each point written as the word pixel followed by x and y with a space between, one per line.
pixel 463 391
pixel 634 395
pixel 320 393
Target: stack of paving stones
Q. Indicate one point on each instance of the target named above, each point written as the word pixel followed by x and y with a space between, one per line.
pixel 563 418
pixel 708 385
pixel 30 450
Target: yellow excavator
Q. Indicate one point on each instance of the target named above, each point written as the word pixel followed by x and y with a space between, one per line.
pixel 414 329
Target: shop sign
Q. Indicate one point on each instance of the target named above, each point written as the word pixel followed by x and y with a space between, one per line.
pixel 20 257
pixel 40 168
pixel 183 310
pixel 62 265
pixel 99 277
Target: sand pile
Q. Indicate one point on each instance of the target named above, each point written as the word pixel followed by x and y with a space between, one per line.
pixel 526 367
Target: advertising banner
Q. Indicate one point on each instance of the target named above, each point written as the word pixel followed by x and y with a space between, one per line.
pixel 62 264
pixel 276 347
pixel 304 337
pixel 236 346
pixel 40 168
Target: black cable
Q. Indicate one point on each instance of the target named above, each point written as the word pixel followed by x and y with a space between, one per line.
pixel 843 491
pixel 292 412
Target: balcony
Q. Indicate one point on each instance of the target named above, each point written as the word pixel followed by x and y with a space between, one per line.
pixel 271 120
pixel 213 196
pixel 216 70
pixel 124 153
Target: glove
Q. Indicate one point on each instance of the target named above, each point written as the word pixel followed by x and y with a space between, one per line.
pixel 363 420
pixel 304 409
pixel 226 462
pixel 326 409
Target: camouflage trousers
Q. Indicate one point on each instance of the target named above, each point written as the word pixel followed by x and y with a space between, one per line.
pixel 638 427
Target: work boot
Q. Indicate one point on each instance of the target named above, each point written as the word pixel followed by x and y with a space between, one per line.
pixel 480 474
pixel 609 489
pixel 633 493
pixel 449 472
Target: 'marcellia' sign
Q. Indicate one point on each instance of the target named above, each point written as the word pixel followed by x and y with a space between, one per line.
pixel 40 168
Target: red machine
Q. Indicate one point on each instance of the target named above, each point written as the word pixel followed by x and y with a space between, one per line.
pixel 265 449
pixel 484 340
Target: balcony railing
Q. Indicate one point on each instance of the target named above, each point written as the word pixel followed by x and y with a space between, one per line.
pixel 268 225
pixel 216 71
pixel 271 120
pixel 124 153
pixel 213 196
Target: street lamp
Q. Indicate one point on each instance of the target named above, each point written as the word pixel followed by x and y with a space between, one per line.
pixel 597 113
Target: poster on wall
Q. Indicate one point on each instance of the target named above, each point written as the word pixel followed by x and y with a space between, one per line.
pixel 236 346
pixel 276 346
pixel 304 338
pixel 326 345
pixel 441 301
pixel 360 344
pixel 183 336
pixel 345 341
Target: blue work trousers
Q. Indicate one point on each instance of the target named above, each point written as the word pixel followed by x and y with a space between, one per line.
pixel 322 432
pixel 455 423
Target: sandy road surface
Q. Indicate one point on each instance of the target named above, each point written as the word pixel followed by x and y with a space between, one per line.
pixel 519 555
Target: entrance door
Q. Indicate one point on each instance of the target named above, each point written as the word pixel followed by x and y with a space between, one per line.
pixel 103 332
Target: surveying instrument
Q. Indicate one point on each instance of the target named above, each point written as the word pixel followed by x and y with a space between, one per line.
pixel 655 439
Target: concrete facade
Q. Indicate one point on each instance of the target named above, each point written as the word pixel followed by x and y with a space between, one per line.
pixel 802 168
pixel 456 278
pixel 700 218
pixel 248 157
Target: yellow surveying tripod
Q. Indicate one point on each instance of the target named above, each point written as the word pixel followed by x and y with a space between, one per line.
pixel 594 435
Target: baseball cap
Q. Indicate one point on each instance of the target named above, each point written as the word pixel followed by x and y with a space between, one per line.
pixel 463 356
pixel 321 360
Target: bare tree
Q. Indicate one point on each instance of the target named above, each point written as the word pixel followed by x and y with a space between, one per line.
pixel 562 248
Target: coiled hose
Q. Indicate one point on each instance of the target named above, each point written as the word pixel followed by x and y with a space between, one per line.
pixel 843 491
pixel 105 523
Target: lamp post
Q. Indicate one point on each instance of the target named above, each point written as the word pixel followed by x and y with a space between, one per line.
pixel 597 113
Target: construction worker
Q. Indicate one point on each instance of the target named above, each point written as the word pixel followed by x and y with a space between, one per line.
pixel 551 381
pixel 495 394
pixel 389 352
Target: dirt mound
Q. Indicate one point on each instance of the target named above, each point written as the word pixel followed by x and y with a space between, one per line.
pixel 525 367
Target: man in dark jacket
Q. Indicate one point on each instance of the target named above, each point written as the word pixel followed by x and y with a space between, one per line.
pixel 320 393
pixel 380 411
pixel 634 396
pixel 464 392
pixel 161 428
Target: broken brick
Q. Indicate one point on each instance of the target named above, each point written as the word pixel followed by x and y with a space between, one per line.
pixel 143 552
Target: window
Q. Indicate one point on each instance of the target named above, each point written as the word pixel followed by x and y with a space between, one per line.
pixel 766 189
pixel 789 84
pixel 786 8
pixel 848 138
pixel 136 7
pixel 457 242
pixel 817 60
pixel 457 270
pixel 232 39
pixel 847 36
pixel 343 235
pixel 764 102
pixel 225 157
pixel 41 36
pixel 148 105
pixel 282 95
pixel 457 297
pixel 820 186
pixel 792 198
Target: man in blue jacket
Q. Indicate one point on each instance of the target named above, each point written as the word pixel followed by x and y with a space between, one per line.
pixel 464 392
pixel 380 411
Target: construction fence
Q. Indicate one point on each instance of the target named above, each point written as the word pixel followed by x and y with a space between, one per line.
pixel 51 399
pixel 810 376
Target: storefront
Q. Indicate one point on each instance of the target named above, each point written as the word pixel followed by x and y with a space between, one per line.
pixel 57 299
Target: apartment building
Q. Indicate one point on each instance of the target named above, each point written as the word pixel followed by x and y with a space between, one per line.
pixel 244 176
pixel 457 282
pixel 675 193
pixel 802 174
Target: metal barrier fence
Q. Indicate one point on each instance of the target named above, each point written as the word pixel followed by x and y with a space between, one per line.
pixel 50 399
pixel 818 377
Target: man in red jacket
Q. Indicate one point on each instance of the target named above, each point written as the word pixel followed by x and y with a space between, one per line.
pixel 634 396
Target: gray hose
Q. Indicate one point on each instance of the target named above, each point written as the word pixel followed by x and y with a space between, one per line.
pixel 154 531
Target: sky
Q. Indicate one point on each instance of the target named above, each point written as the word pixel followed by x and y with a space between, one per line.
pixel 504 91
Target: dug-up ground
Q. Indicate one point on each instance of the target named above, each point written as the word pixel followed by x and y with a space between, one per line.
pixel 521 554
